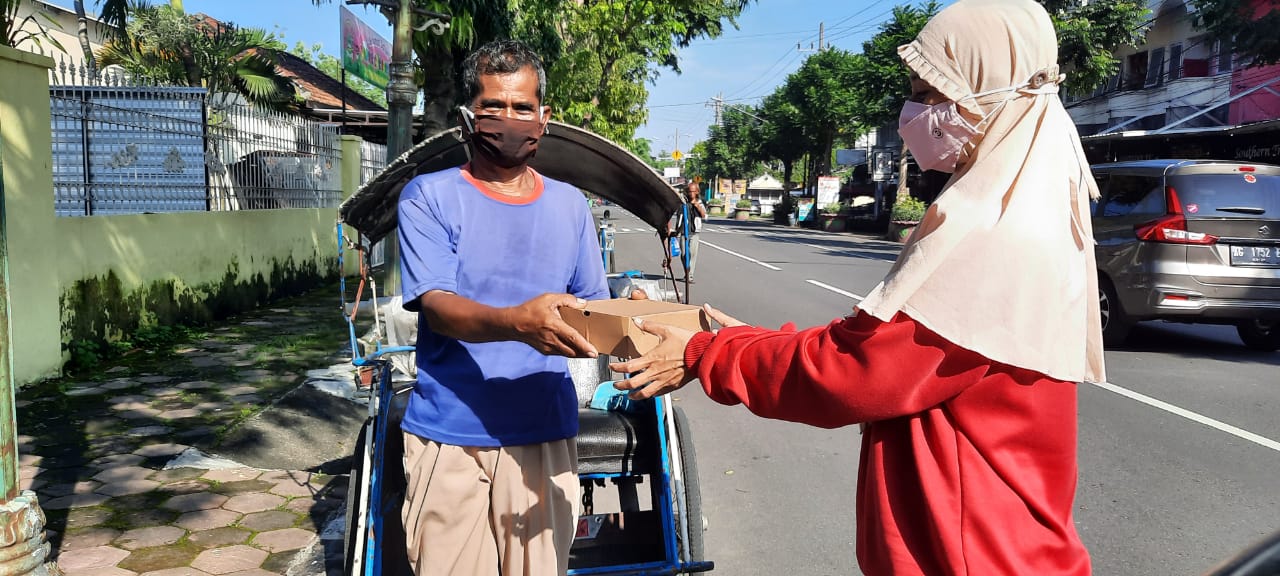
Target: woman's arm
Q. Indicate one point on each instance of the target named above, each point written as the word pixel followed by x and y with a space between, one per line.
pixel 855 370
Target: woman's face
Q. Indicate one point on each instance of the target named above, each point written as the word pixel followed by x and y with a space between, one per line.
pixel 923 93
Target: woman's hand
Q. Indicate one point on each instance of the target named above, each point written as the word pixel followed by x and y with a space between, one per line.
pixel 662 370
pixel 724 320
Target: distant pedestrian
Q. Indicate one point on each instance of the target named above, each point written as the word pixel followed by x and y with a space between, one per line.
pixel 963 364
pixel 697 213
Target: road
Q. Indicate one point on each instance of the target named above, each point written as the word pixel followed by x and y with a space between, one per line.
pixel 1179 452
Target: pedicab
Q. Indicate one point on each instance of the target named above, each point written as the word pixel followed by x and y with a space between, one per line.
pixel 640 455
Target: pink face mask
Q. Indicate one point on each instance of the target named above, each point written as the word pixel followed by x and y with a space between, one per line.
pixel 935 135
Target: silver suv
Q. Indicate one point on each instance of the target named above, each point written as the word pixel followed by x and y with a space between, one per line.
pixel 1189 241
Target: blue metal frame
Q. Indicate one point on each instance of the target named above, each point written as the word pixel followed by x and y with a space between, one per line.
pixel 671 564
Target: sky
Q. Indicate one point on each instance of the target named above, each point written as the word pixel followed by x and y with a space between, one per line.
pixel 743 64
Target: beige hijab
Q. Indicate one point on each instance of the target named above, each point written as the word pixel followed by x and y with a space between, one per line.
pixel 1003 262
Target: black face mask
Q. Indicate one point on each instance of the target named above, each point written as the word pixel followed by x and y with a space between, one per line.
pixel 507 142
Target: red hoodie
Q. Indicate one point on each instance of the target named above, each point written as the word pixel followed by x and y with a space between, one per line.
pixel 968 466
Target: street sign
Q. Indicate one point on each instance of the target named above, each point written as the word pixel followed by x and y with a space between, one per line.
pixel 671 172
pixel 677 155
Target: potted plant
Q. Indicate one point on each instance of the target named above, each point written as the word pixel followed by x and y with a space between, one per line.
pixel 716 206
pixel 907 213
pixel 742 210
pixel 831 217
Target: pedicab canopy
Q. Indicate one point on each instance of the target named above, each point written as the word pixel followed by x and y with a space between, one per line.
pixel 565 153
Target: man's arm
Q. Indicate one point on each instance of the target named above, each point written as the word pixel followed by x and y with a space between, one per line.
pixel 429 270
pixel 699 208
pixel 536 322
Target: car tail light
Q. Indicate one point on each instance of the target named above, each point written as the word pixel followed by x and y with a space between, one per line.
pixel 1246 169
pixel 1172 227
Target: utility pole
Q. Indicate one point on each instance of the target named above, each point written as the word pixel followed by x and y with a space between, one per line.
pixel 822 40
pixel 401 93
pixel 401 96
pixel 718 103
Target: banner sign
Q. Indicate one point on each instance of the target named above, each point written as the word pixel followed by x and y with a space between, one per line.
pixel 365 54
pixel 828 190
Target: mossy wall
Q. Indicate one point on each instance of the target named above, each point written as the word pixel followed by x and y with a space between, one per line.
pixel 118 273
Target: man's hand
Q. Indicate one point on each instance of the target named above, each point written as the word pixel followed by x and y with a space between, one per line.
pixel 662 370
pixel 538 324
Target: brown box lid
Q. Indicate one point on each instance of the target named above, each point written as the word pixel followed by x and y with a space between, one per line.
pixel 608 324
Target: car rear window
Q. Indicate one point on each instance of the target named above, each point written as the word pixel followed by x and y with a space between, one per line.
pixel 1228 195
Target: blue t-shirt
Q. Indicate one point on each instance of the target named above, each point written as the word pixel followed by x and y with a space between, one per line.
pixel 459 237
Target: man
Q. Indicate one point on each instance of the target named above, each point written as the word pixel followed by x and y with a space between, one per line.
pixel 491 252
pixel 698 213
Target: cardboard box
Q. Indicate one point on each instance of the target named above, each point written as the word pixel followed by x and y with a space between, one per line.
pixel 608 324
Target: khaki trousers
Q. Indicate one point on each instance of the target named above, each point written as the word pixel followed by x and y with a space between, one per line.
pixel 509 511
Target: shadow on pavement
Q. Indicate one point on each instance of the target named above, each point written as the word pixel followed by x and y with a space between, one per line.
pixel 1209 342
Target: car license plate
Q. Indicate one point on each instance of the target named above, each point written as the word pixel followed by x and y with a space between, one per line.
pixel 1268 256
pixel 589 526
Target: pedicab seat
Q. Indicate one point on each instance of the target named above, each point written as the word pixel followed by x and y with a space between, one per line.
pixel 615 442
pixel 609 442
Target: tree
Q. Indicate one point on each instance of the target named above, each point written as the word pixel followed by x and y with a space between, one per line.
pixel 823 92
pixel 612 48
pixel 1088 35
pixel 1252 25
pixel 166 45
pixel 782 135
pixel 730 147
pixel 332 67
pixel 83 32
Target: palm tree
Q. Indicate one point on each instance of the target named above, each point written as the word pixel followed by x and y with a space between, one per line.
pixel 114 14
pixel 166 45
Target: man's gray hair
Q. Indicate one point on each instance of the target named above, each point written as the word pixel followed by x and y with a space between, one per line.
pixel 500 57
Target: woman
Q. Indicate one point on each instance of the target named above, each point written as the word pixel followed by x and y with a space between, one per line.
pixel 962 365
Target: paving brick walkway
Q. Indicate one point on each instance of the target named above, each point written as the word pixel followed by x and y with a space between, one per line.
pixel 99 454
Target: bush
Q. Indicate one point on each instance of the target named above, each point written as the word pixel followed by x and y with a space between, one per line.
pixel 832 209
pixel 908 210
pixel 743 204
pixel 717 201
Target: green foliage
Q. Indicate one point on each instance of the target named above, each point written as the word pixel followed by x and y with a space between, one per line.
pixel 833 209
pixel 11 32
pixel 717 201
pixel 332 67
pixel 743 204
pixel 166 45
pixel 824 93
pixel 882 81
pixel 730 147
pixel 908 209
pixel 1252 24
pixel 1088 34
pixel 613 48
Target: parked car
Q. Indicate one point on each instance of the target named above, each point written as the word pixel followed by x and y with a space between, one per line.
pixel 1189 241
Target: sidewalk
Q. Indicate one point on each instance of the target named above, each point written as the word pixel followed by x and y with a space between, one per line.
pixel 117 460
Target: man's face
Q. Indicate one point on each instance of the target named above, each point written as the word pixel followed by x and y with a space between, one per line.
pixel 512 95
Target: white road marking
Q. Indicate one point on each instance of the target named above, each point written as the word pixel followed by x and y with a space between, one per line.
pixel 1189 415
pixel 836 290
pixel 747 258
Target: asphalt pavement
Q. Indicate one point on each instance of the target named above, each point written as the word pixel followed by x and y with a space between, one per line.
pixel 1179 452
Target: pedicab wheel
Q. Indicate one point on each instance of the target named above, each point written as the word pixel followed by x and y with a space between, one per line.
pixel 692 491
pixel 355 493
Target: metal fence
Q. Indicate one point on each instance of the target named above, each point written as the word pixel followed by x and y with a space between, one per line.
pixel 123 147
pixel 373 159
